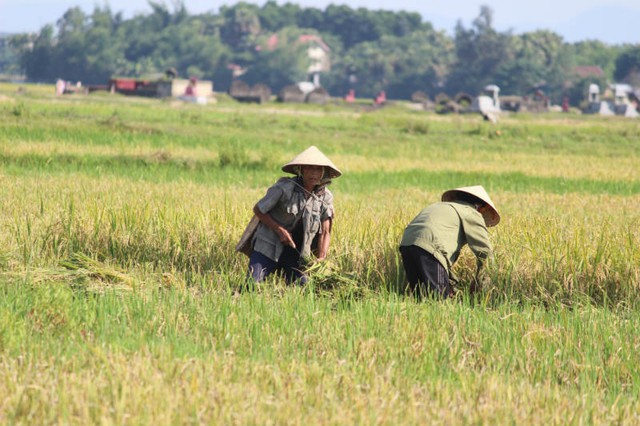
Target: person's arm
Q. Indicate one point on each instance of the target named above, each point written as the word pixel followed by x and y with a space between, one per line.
pixel 324 239
pixel 326 223
pixel 478 241
pixel 281 232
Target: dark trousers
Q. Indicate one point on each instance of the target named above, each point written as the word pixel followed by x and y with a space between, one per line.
pixel 260 266
pixel 425 274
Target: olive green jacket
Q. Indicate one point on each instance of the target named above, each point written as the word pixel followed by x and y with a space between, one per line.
pixel 443 229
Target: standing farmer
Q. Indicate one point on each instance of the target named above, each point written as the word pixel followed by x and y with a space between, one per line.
pixel 431 243
pixel 295 218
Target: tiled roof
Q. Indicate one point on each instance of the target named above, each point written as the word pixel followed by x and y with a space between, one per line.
pixel 588 71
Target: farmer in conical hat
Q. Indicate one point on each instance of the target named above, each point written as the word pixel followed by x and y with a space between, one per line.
pixel 431 243
pixel 296 216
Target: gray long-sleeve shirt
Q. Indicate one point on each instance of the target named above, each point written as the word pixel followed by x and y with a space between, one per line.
pixel 285 201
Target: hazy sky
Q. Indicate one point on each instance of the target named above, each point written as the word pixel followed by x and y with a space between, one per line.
pixel 573 19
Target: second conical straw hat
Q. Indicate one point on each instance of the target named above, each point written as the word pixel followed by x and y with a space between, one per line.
pixel 492 218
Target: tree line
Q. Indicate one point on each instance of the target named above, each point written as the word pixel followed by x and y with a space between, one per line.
pixel 371 50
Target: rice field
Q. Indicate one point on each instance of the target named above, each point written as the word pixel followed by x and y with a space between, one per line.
pixel 121 294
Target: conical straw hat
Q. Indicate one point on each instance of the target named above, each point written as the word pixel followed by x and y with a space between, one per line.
pixel 492 217
pixel 311 157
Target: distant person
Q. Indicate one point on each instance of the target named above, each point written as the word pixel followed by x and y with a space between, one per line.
pixel 294 220
pixel 191 93
pixel 350 96
pixel 431 243
pixel 191 88
pixel 60 86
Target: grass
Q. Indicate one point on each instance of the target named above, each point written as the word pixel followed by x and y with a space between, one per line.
pixel 288 356
pixel 122 300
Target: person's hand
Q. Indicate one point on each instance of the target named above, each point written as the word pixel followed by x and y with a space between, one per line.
pixel 285 237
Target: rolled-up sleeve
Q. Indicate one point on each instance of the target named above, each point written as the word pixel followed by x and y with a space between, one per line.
pixel 328 211
pixel 271 199
pixel 478 236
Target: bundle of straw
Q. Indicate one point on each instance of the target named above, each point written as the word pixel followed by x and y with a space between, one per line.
pixel 95 269
pixel 326 278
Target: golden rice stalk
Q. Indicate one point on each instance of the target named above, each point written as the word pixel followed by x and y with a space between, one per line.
pixel 95 269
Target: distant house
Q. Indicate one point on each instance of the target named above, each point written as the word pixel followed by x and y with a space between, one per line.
pixel 318 52
pixel 236 70
pixel 625 101
pixel 586 71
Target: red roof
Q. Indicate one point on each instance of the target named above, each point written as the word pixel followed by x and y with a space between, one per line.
pixel 588 71
pixel 306 38
pixel 272 42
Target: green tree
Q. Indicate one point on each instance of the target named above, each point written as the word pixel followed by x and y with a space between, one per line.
pixel 273 17
pixel 353 26
pixel 86 48
pixel 101 50
pixel 241 25
pixel 190 49
pixel 22 45
pixel 285 64
pixel 594 52
pixel 628 66
pixel 37 54
pixel 311 17
pixel 399 65
pixel 190 44
pixel 578 90
pixel 9 57
pixel 480 52
pixel 383 50
pixel 71 23
pixel 539 60
pixel 356 26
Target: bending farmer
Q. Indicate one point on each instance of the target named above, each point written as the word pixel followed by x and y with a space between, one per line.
pixel 295 217
pixel 431 243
